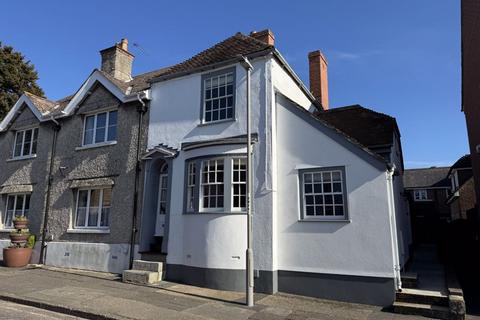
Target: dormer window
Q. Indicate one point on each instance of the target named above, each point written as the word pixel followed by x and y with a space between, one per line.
pixel 218 96
pixel 100 128
pixel 25 143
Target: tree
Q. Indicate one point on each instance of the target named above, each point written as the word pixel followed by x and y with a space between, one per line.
pixel 16 76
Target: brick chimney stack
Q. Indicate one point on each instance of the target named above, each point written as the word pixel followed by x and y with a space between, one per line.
pixel 264 36
pixel 117 61
pixel 318 68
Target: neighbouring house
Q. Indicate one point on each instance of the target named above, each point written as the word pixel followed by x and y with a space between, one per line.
pixel 462 198
pixel 154 166
pixel 72 163
pixel 470 20
pixel 427 190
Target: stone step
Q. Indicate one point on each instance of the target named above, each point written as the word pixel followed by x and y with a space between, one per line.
pixel 152 266
pixel 410 280
pixel 153 256
pixel 419 296
pixel 425 310
pixel 140 277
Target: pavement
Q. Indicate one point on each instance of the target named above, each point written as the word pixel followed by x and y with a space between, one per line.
pixel 9 310
pixel 93 295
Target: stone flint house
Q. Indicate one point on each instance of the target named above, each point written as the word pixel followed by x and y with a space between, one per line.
pixel 154 167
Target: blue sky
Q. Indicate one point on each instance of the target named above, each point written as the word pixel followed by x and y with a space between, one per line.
pixel 397 57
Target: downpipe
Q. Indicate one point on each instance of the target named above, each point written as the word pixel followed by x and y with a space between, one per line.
pixel 142 109
pixel 56 128
pixel 393 227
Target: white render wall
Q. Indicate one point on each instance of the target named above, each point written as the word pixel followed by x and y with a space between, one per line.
pixel 359 247
pixel 283 83
pixel 175 108
pixel 104 257
pixel 214 240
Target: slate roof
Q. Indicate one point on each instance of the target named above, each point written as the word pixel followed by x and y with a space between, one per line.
pixel 43 105
pixel 369 127
pixel 426 178
pixel 464 162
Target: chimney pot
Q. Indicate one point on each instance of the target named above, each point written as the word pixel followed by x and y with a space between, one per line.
pixel 264 36
pixel 117 61
pixel 318 68
pixel 124 44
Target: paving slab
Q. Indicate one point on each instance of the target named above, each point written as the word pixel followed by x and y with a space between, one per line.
pixel 105 297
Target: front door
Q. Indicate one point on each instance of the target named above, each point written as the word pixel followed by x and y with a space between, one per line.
pixel 162 204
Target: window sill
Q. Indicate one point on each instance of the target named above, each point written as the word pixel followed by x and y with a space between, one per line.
pixel 324 220
pixel 86 230
pixel 7 230
pixel 203 124
pixel 216 213
pixel 97 145
pixel 22 158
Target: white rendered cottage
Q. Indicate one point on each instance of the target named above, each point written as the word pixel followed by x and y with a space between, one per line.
pixel 329 216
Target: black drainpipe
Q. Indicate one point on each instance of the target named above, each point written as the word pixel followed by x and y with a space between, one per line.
pixel 141 111
pixel 56 128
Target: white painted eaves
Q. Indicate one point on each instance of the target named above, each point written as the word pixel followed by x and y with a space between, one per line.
pixel 24 99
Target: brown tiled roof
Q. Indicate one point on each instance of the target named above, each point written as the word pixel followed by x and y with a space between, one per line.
pixel 369 127
pixel 426 178
pixel 228 49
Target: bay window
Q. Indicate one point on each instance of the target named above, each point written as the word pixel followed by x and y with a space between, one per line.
pixel 221 186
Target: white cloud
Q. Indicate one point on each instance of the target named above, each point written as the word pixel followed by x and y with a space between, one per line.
pixel 355 55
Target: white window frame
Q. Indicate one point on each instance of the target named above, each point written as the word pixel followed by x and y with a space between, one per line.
pixel 209 77
pixel 30 153
pixel 87 212
pixel 107 128
pixel 239 183
pixel 420 195
pixel 15 196
pixel 303 205
pixel 228 183
pixel 215 183
pixel 191 185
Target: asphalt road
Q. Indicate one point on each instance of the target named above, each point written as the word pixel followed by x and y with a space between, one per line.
pixel 15 311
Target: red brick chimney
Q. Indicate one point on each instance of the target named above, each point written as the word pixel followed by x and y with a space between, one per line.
pixel 117 61
pixel 318 77
pixel 264 36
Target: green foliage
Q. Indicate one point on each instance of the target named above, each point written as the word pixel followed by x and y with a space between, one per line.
pixel 31 241
pixel 16 76
pixel 20 218
pixel 20 231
